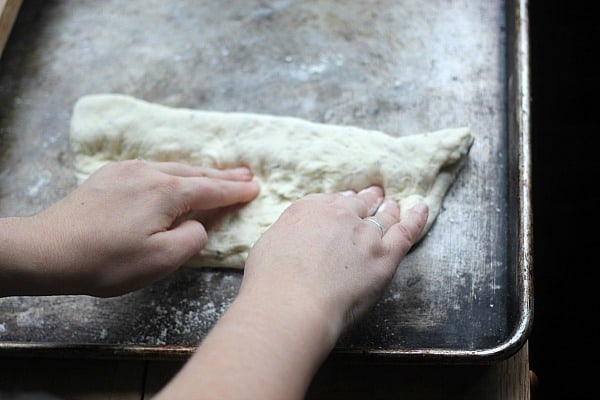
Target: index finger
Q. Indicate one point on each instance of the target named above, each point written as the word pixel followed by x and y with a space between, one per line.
pixel 240 173
pixel 202 193
pixel 365 202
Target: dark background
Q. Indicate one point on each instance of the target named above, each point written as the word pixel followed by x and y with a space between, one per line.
pixel 564 121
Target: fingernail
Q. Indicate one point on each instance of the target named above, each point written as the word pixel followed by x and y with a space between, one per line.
pixel 373 188
pixel 347 192
pixel 385 205
pixel 243 171
pixel 376 206
pixel 421 207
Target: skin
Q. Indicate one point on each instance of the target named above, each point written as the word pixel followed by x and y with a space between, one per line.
pixel 308 279
pixel 130 224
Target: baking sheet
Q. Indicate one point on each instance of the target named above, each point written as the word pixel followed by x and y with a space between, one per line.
pixel 402 67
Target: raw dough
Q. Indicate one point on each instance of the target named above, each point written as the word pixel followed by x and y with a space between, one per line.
pixel 289 157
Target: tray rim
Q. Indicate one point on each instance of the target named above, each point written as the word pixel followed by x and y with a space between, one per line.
pixel 518 87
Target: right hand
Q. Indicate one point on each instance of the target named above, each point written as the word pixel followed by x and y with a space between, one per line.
pixel 322 256
pixel 307 279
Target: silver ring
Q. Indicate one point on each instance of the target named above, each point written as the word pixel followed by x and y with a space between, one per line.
pixel 377 224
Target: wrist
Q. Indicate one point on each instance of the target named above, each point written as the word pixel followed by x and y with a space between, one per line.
pixel 290 339
pixel 294 320
pixel 27 258
pixel 270 347
pixel 18 266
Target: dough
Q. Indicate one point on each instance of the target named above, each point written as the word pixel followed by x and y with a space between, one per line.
pixel 289 157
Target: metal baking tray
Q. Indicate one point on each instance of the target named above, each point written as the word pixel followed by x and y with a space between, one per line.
pixel 463 295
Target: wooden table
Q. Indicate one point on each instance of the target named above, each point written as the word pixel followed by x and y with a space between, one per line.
pixel 75 379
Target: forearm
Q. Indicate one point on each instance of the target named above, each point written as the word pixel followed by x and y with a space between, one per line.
pixel 22 267
pixel 259 349
pixel 36 258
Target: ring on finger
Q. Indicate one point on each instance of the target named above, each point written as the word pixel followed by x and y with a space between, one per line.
pixel 378 224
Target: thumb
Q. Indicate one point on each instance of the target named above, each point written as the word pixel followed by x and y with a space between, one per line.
pixel 183 241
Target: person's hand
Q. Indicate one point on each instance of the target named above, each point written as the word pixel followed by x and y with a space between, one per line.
pixel 128 225
pixel 311 275
pixel 324 256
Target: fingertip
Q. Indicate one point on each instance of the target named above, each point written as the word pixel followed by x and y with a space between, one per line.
pixel 243 172
pixel 378 190
pixel 196 233
pixel 411 226
pixel 388 205
pixel 418 216
pixel 186 239
pixel 421 208
pixel 254 189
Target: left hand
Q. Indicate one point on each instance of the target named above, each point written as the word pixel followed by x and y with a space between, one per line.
pixel 130 224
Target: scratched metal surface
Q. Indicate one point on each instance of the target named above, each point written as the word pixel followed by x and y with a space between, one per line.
pixel 402 67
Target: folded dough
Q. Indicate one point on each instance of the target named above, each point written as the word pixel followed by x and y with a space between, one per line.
pixel 290 157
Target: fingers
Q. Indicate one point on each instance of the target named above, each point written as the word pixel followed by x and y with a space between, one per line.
pixel 400 234
pixel 209 193
pixel 388 213
pixel 404 233
pixel 185 170
pixel 383 217
pixel 182 242
pixel 365 202
pixel 203 188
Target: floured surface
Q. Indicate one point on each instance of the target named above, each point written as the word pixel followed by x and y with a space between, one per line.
pixel 290 158
pixel 397 67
